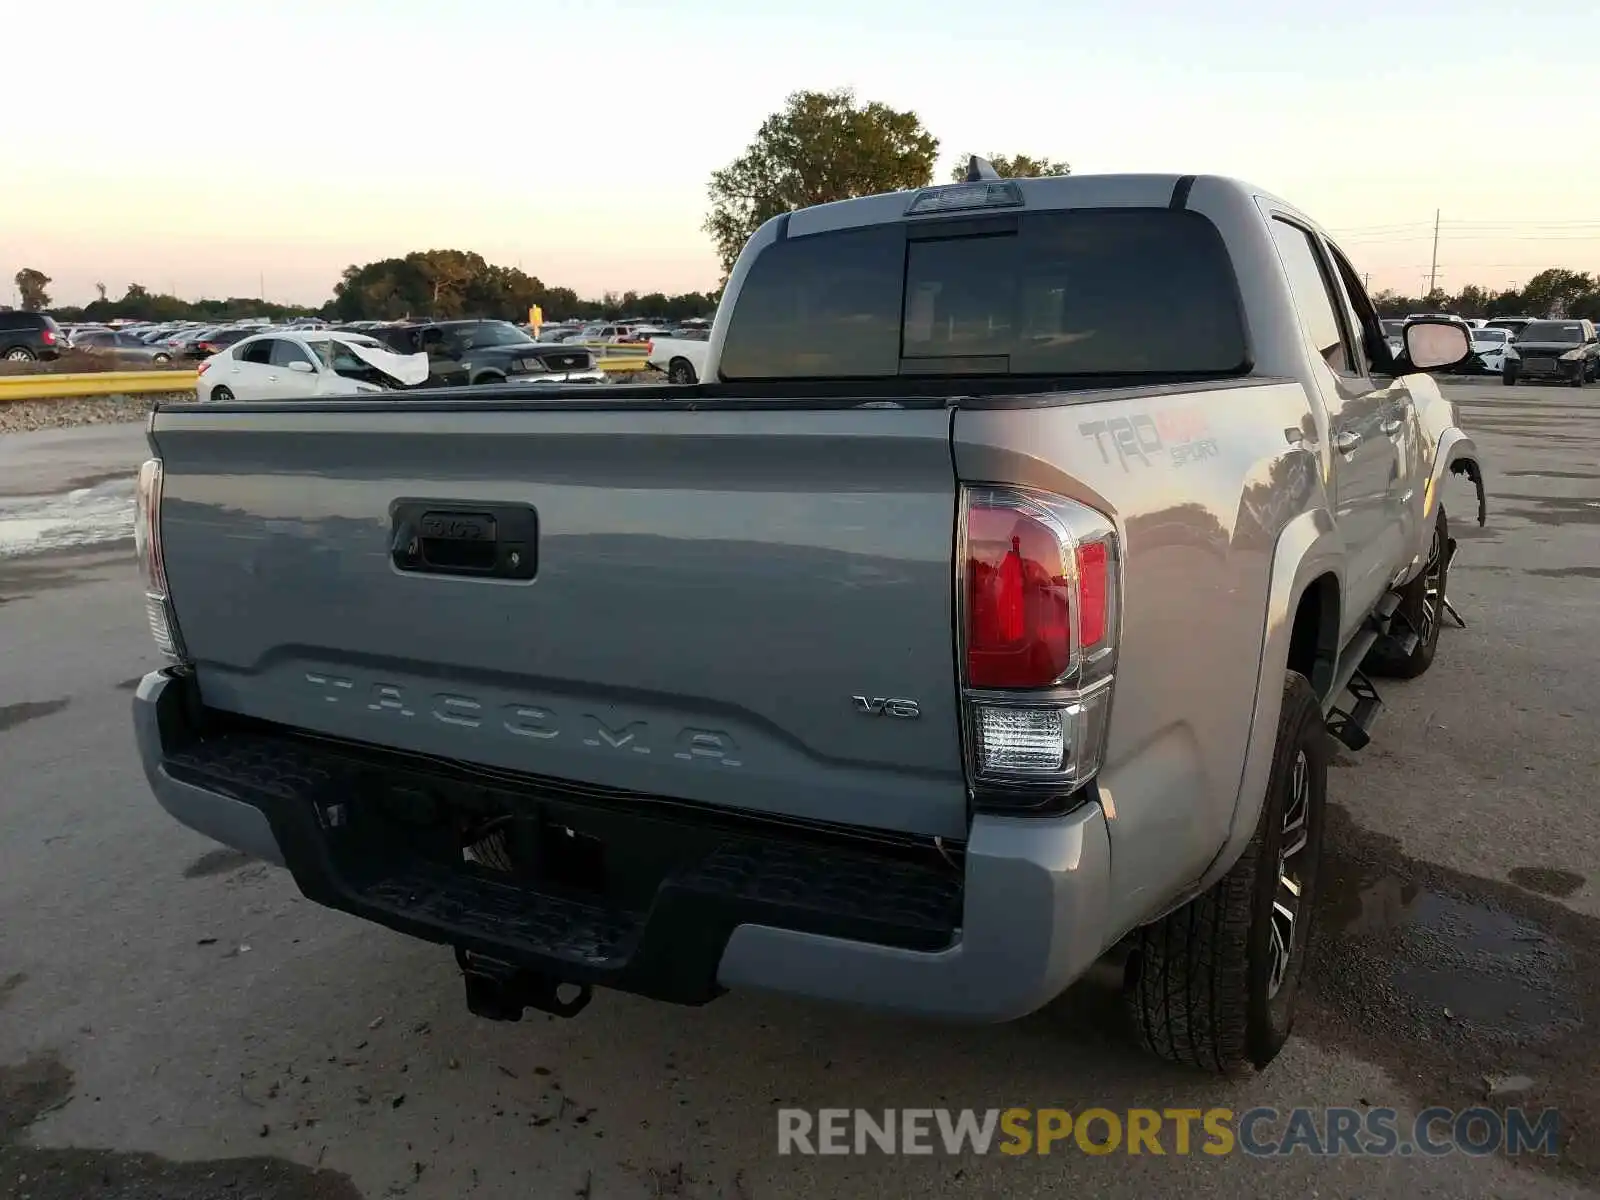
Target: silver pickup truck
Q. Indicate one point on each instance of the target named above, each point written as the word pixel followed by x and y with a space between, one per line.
pixel 984 613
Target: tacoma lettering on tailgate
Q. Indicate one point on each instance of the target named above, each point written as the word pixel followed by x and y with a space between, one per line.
pixel 689 743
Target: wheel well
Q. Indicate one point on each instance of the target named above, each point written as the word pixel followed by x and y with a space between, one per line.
pixel 1314 639
pixel 488 377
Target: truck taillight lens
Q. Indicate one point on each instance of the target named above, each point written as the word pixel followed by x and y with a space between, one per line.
pixel 147 544
pixel 1041 600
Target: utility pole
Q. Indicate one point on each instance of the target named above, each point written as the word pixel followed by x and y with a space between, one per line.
pixel 1366 282
pixel 1433 271
pixel 261 278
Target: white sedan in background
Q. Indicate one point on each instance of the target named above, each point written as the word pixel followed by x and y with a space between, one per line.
pixel 1490 347
pixel 306 364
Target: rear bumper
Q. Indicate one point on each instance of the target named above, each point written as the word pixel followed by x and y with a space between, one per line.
pixel 773 908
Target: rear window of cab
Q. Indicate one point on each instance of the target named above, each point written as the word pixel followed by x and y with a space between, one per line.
pixel 1090 292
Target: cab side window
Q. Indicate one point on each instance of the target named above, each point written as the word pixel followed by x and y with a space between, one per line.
pixel 1376 355
pixel 1315 296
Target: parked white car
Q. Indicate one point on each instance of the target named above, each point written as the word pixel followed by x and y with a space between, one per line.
pixel 683 359
pixel 304 365
pixel 1490 347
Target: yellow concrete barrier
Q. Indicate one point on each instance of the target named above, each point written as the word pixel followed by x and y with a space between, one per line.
pixel 94 383
pixel 127 383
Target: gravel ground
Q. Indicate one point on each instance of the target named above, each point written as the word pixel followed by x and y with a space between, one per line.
pixel 24 416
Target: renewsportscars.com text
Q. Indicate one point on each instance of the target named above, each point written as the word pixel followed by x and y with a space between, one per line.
pixel 1259 1132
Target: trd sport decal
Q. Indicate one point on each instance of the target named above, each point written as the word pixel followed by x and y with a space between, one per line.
pixel 1180 436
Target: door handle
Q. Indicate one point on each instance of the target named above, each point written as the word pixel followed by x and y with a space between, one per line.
pixel 1346 441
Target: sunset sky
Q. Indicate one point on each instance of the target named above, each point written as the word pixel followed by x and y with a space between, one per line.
pixel 220 149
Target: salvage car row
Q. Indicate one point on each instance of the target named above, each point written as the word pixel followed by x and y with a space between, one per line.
pixel 306 363
pixel 1522 349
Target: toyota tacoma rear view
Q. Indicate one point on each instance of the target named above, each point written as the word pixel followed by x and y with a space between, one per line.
pixel 984 611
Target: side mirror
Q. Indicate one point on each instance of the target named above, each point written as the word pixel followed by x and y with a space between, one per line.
pixel 1432 344
pixel 302 366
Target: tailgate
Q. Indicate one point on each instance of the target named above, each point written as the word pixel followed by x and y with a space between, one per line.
pixel 721 602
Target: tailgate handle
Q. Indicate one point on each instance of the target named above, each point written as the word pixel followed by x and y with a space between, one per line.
pixel 442 537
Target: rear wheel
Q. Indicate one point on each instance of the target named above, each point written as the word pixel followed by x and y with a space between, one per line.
pixel 1422 607
pixel 1214 984
pixel 19 354
pixel 679 370
pixel 221 394
pixel 161 359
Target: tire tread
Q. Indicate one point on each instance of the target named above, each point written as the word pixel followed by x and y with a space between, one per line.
pixel 1189 992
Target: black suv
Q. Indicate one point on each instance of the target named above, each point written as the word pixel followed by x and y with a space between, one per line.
pixel 485 351
pixel 1563 350
pixel 25 336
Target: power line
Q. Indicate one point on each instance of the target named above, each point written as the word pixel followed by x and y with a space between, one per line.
pixel 1460 223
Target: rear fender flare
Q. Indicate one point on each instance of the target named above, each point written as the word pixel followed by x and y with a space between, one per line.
pixel 1308 548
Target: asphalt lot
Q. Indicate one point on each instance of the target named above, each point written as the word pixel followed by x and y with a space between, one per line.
pixel 177 1022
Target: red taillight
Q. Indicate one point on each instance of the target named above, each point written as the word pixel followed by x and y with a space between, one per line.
pixel 210 347
pixel 649 349
pixel 1093 592
pixel 1040 642
pixel 1017 601
pixel 48 336
pixel 162 620
pixel 205 365
pixel 1040 588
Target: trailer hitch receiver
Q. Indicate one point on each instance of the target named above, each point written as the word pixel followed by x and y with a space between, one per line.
pixel 501 991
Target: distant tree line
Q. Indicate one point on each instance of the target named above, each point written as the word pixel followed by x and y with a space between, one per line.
pixel 425 283
pixel 1554 292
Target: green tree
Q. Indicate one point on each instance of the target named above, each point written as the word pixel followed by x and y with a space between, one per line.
pixel 1551 293
pixel 460 283
pixel 1017 166
pixel 31 286
pixel 1473 301
pixel 821 147
pixel 1506 304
